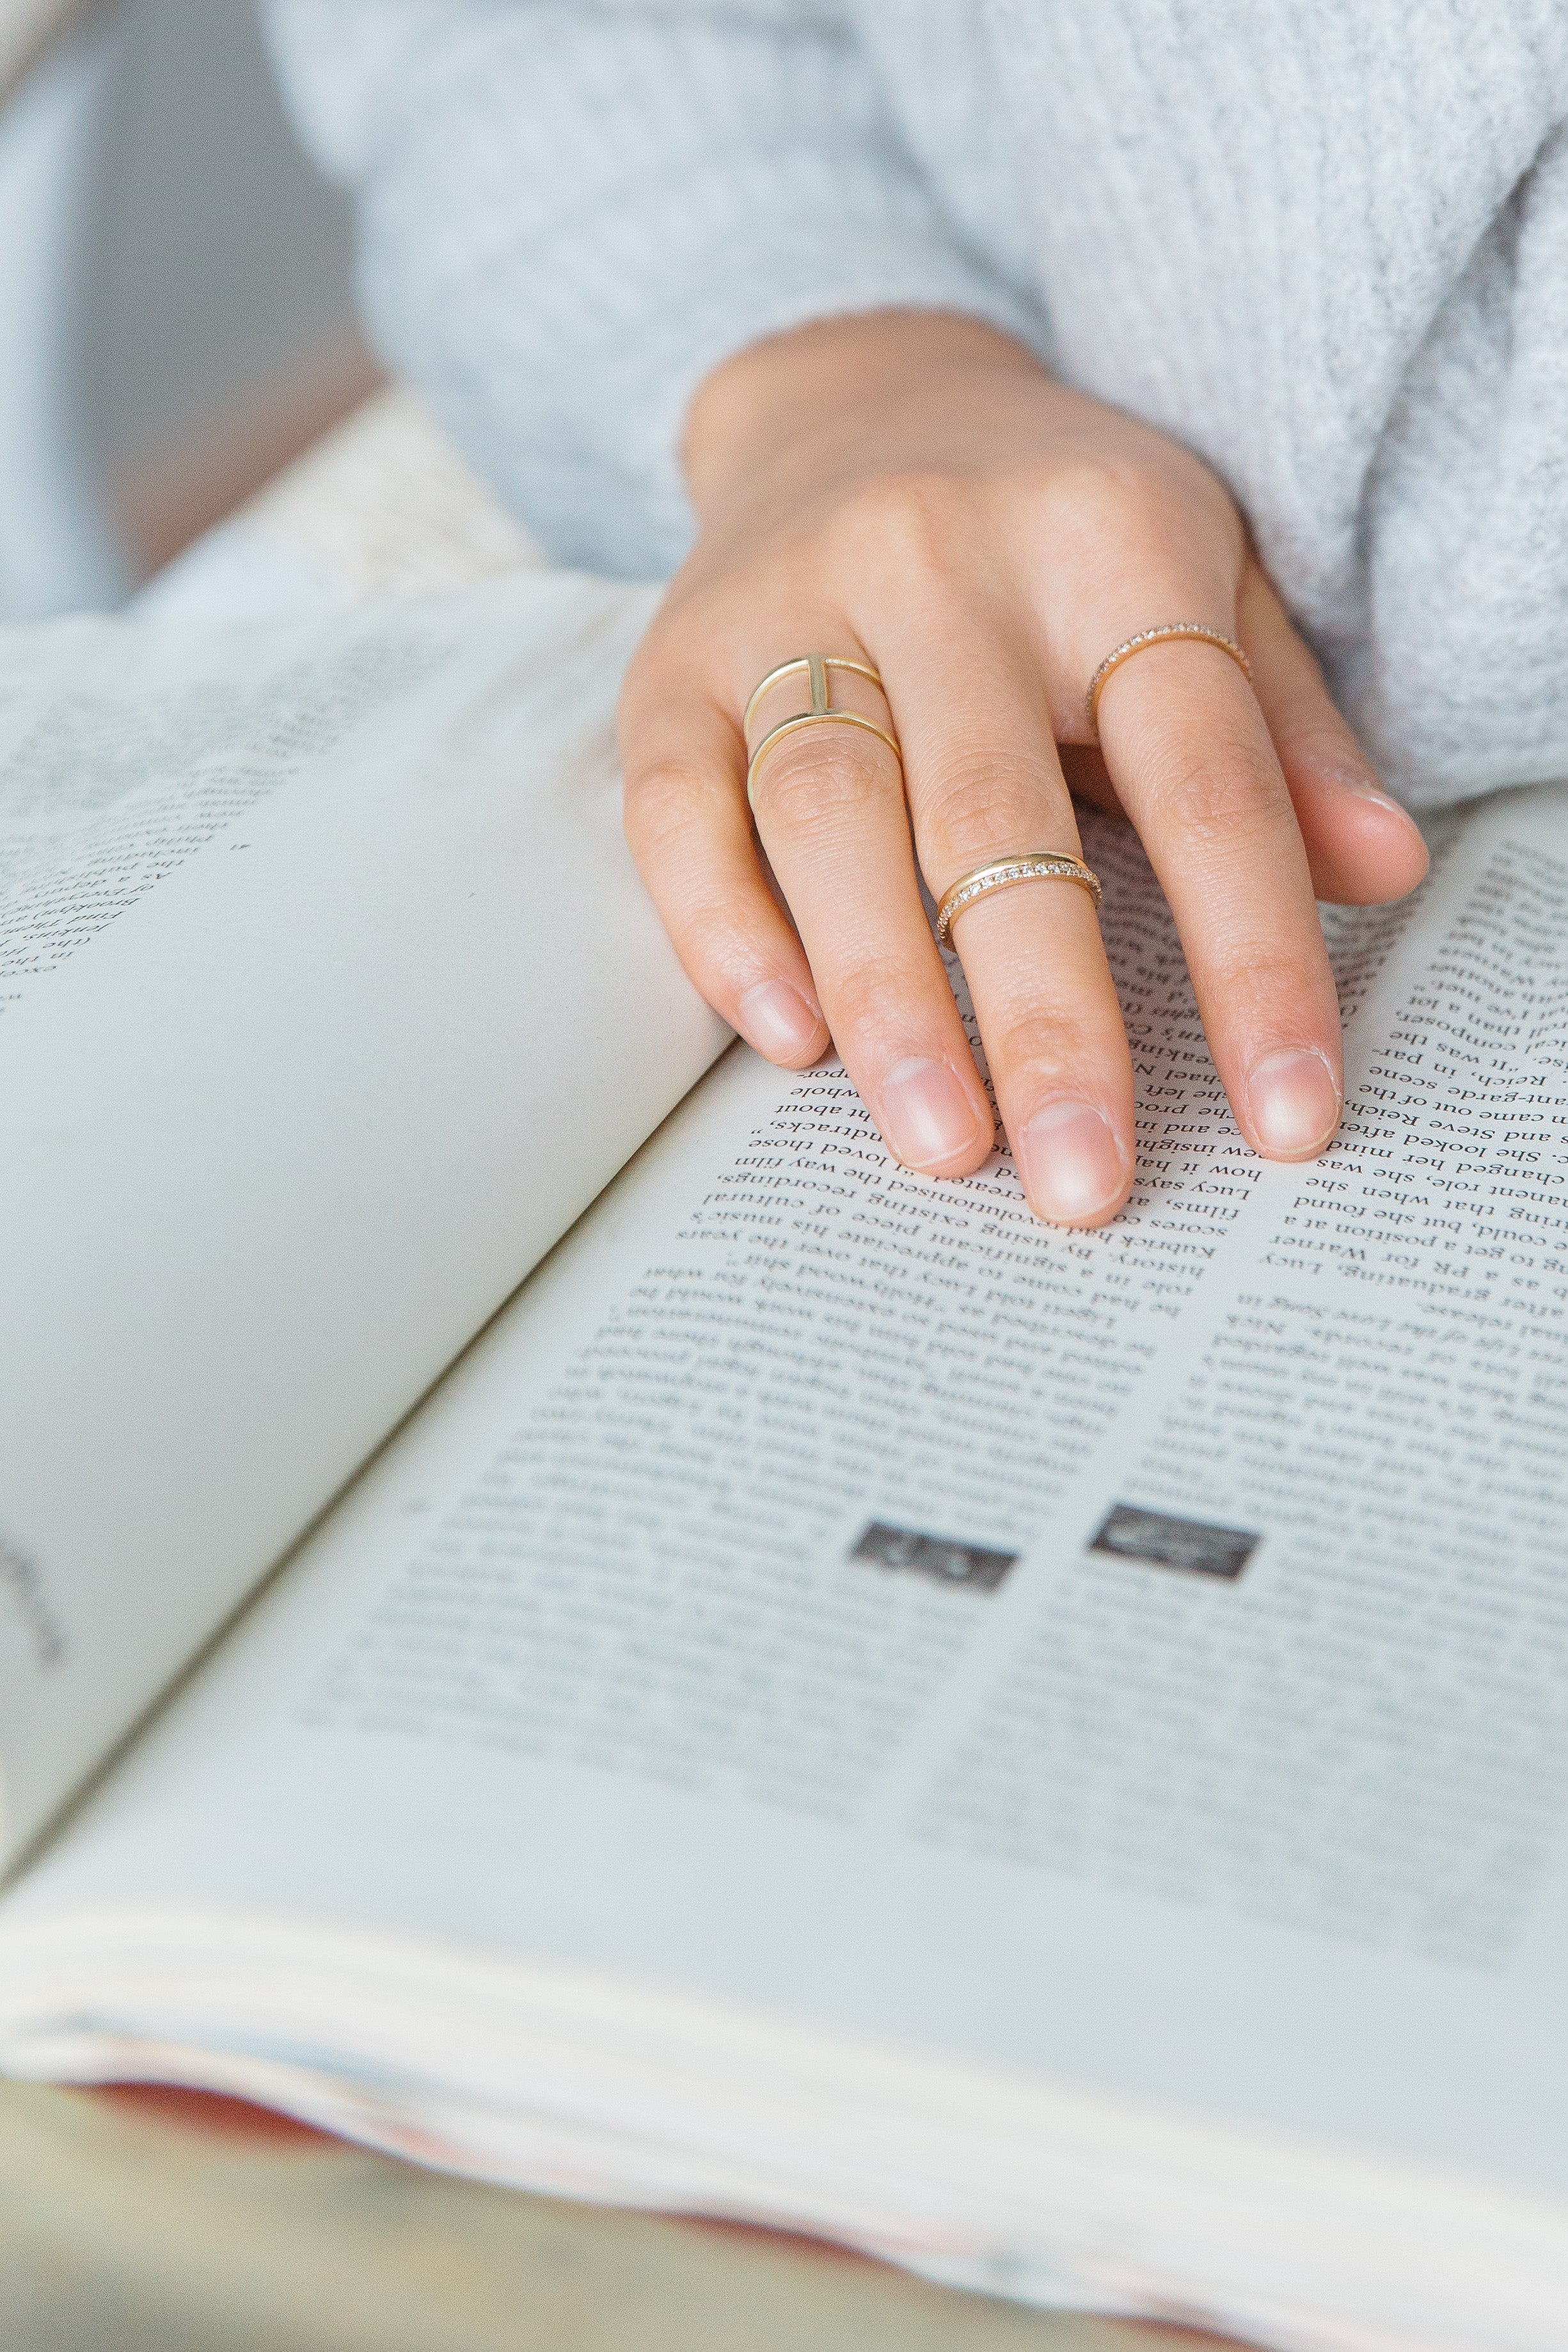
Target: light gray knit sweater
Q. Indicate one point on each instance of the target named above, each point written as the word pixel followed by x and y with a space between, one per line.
pixel 1323 242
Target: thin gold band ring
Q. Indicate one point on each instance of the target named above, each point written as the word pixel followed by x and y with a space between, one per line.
pixel 1034 866
pixel 814 666
pixel 1169 632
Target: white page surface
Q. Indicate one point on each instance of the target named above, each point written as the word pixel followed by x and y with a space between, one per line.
pixel 329 997
pixel 673 1730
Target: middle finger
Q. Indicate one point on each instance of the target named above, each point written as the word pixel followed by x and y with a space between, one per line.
pixel 985 784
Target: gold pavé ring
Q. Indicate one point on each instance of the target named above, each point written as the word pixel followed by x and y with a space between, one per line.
pixel 814 668
pixel 1166 633
pixel 1034 866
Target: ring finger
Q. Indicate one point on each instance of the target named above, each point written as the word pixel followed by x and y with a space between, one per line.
pixel 1190 756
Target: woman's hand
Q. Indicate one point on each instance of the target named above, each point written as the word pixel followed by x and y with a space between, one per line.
pixel 915 492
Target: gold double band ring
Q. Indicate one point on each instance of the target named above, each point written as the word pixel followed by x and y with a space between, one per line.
pixel 1168 632
pixel 815 668
pixel 1034 866
pixel 999 874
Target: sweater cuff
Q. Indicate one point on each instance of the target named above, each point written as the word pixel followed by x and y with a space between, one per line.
pixel 640 522
pixel 570 215
pixel 570 386
pixel 566 375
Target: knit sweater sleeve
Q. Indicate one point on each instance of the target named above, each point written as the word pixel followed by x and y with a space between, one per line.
pixel 572 210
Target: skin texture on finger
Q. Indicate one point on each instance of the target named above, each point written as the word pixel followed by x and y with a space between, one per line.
pixel 1195 768
pixel 831 813
pixel 1361 846
pixel 983 784
pixel 1042 993
pixel 688 829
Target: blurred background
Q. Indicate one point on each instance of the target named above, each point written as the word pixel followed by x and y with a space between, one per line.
pixel 176 308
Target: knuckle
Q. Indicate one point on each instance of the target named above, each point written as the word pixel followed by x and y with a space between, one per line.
pixel 1256 976
pixel 1219 793
pixel 904 522
pixel 969 802
pixel 823 777
pixel 1168 512
pixel 1099 495
pixel 872 996
pixel 1036 1038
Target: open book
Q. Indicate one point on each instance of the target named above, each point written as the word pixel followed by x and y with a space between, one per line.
pixel 1041 1755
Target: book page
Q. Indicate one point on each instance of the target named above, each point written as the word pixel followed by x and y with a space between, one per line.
pixel 329 997
pixel 1124 1663
pixel 1210 1561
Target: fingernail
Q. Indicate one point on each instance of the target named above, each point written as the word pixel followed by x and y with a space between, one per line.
pixel 1071 1166
pixel 1365 786
pixel 927 1115
pixel 777 1019
pixel 1294 1102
